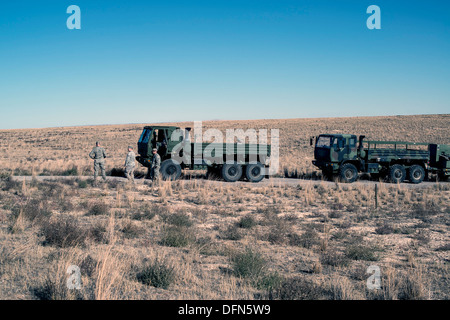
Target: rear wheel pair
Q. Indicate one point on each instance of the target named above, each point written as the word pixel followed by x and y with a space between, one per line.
pixel 398 173
pixel 416 174
pixel 232 172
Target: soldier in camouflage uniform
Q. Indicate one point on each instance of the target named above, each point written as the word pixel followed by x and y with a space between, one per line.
pixel 99 155
pixel 130 164
pixel 156 165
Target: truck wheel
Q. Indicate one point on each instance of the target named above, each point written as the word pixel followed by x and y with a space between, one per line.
pixel 397 173
pixel 348 173
pixel 170 170
pixel 255 172
pixel 231 172
pixel 416 174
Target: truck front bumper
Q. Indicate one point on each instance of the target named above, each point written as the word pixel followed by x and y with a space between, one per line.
pixel 330 167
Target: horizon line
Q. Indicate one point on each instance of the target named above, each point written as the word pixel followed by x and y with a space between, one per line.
pixel 211 120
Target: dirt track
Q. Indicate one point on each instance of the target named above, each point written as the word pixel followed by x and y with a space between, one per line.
pixel 265 182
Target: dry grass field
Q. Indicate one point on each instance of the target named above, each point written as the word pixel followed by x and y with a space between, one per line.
pixel 58 150
pixel 200 239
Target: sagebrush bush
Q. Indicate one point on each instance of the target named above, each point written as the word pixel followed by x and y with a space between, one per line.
pixel 50 290
pixel 175 236
pixel 334 259
pixel 334 214
pixel 384 229
pixel 246 222
pixel 98 233
pixel 65 205
pixel 157 274
pixel 63 231
pixel 248 264
pixel 269 281
pixel 5 175
pixel 179 220
pixel 98 208
pixel 145 212
pixel 73 171
pixel 33 211
pixel 275 236
pixel 9 184
pixel 362 252
pixel 88 265
pixel 298 288
pixel 131 230
pixel 82 184
pixel 307 239
pixel 231 233
pixel 412 286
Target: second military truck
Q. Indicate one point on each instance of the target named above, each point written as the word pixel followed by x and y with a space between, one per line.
pixel 345 155
pixel 230 161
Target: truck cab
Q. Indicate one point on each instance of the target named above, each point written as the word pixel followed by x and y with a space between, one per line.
pixel 158 137
pixel 338 154
pixel 331 150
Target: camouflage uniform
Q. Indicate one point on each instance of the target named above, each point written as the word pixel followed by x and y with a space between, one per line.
pixel 130 165
pixel 99 155
pixel 156 165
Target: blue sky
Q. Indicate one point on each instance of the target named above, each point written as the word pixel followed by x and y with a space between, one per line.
pixel 161 61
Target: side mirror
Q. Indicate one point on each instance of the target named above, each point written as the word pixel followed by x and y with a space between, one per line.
pixel 311 141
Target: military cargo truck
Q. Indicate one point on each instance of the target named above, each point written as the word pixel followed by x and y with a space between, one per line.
pixel 230 161
pixel 345 155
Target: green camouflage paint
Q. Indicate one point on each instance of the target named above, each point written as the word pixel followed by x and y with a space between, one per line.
pixel 378 155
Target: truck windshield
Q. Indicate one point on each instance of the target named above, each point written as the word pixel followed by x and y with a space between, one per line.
pixel 145 135
pixel 324 142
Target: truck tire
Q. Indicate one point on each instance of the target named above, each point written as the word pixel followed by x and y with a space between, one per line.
pixel 231 172
pixel 170 170
pixel 397 173
pixel 416 174
pixel 348 173
pixel 255 172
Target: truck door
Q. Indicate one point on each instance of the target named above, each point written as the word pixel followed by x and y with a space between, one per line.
pixel 339 150
pixel 143 143
pixel 162 142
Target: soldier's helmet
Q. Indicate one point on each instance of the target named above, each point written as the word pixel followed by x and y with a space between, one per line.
pixel 154 149
pixel 130 147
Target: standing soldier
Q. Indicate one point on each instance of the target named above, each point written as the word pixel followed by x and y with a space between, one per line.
pixel 156 165
pixel 99 155
pixel 130 164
